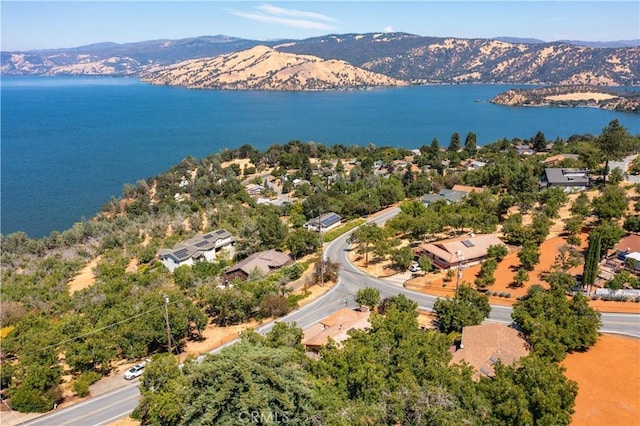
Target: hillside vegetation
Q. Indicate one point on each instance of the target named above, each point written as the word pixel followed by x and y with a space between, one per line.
pixel 57 341
pixel 411 58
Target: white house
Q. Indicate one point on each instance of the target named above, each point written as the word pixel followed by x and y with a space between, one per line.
pixel 199 248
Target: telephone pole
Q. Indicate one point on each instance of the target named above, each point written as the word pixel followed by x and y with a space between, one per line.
pixel 166 319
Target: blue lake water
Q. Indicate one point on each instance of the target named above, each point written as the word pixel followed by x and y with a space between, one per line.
pixel 70 143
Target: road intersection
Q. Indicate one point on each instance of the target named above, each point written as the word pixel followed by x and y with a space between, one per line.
pixel 104 409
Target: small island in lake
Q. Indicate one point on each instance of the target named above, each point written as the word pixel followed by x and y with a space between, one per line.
pixel 572 96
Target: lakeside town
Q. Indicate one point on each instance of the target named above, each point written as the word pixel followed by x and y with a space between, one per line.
pixel 239 238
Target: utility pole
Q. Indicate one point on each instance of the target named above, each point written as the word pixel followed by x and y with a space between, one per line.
pixel 166 319
pixel 321 251
pixel 459 275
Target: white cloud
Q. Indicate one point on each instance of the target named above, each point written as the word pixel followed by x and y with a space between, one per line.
pixel 289 17
pixel 275 10
pixel 388 29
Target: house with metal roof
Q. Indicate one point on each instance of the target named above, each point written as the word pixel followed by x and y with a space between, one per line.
pixel 263 262
pixel 199 248
pixel 448 195
pixel 569 179
pixel 324 222
pixel 465 251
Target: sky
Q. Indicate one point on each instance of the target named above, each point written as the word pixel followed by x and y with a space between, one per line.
pixel 29 25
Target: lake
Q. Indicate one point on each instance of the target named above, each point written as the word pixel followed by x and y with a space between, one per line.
pixel 70 143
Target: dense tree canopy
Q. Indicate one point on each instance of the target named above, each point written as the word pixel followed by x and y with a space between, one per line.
pixel 555 324
pixel 469 307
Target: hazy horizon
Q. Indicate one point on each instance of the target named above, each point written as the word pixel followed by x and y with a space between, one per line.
pixel 36 25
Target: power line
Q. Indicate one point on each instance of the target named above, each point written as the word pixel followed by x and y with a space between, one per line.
pixel 80 336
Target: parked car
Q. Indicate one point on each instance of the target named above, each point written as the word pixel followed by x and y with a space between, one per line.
pixel 414 267
pixel 136 370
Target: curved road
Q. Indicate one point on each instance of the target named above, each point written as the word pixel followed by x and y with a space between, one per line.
pixel 106 408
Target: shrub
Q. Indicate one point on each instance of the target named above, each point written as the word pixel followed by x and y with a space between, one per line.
pixel 82 383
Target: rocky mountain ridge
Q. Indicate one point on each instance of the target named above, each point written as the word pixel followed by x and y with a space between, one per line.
pixel 412 58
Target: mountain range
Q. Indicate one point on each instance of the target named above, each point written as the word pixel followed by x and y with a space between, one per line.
pixel 371 59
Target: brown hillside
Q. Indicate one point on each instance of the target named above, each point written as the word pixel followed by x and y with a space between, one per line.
pixel 264 68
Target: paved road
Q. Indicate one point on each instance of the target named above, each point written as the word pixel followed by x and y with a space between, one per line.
pixel 106 408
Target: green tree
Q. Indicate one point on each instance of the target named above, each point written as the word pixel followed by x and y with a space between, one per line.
pixel 592 260
pixel 468 308
pixel 610 233
pixel 581 205
pixel 632 224
pixel 271 230
pixel 471 144
pixel 612 204
pixel 551 199
pixel 454 143
pixel 365 236
pixel 540 226
pixel 554 324
pixel 529 255
pixel 247 381
pixel 434 148
pixel 161 387
pixel 425 263
pixel 497 252
pixel 402 257
pixel 302 242
pixel 368 296
pixel 539 142
pixel 614 143
pixel 520 277
pixel 534 391
pixel 485 276
pixel 284 335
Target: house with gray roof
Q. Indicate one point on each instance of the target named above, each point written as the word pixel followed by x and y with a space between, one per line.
pixel 263 261
pixel 570 179
pixel 199 248
pixel 448 195
pixel 324 223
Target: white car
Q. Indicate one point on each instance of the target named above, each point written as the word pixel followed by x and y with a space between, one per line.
pixel 135 371
pixel 414 267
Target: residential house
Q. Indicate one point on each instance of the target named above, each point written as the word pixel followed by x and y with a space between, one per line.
pixel 201 247
pixel 263 261
pixel 472 164
pixel 335 327
pixel 467 189
pixel 448 195
pixel 569 179
pixel 525 150
pixel 554 160
pixel 482 346
pixel 627 245
pixel 254 189
pixel 464 251
pixel 324 223
pixel 628 249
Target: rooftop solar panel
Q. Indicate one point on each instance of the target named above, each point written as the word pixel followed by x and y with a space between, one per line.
pixel 182 252
pixel 467 243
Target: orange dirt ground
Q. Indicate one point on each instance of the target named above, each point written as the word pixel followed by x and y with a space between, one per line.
pixel 608 376
pixel 433 283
